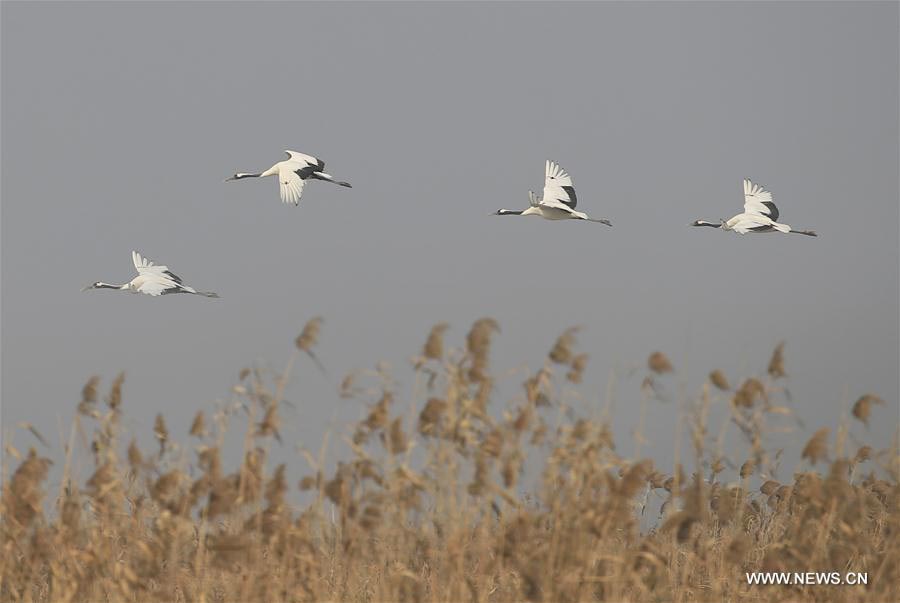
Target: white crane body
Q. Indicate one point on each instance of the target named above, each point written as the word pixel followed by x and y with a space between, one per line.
pixel 152 280
pixel 558 200
pixel 292 175
pixel 759 215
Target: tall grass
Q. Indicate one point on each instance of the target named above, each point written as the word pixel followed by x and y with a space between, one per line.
pixel 452 496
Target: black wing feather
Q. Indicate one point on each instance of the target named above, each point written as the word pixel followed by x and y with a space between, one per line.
pixel 309 169
pixel 173 276
pixel 573 200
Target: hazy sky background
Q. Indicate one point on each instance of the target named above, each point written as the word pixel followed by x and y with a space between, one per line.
pixel 120 121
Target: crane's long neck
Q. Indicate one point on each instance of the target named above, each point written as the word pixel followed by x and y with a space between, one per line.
pixel 269 172
pixel 241 176
pixel 710 224
pixel 101 285
pixel 510 212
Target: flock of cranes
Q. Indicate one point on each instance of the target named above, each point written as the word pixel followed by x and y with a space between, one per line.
pixel 557 202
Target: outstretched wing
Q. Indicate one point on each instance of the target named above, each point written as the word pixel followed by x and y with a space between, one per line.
pixel 306 164
pixel 145 267
pixel 304 158
pixel 291 184
pixel 558 187
pixel 158 284
pixel 301 167
pixel 758 201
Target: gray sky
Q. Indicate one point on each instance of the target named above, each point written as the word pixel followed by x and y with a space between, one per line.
pixel 120 121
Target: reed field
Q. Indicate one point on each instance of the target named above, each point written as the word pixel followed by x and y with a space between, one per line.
pixel 458 494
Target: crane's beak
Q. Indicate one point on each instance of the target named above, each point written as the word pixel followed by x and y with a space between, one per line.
pixel 86 287
pixel 229 179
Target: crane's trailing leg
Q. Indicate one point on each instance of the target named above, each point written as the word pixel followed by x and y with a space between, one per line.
pixel 329 178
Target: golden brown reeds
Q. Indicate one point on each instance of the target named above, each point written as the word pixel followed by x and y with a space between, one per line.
pixel 459 499
pixel 750 391
pixel 434 345
pixel 161 432
pixel 114 400
pixel 309 338
pixel 562 353
pixel 718 379
pixel 577 367
pixel 659 363
pixel 776 364
pixel 862 409
pixel 478 343
pixel 198 426
pixel 816 448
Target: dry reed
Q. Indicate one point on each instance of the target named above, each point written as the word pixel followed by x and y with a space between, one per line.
pixel 441 511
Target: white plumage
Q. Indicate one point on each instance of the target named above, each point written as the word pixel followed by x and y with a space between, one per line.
pixel 558 200
pixel 760 214
pixel 292 175
pixel 151 280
